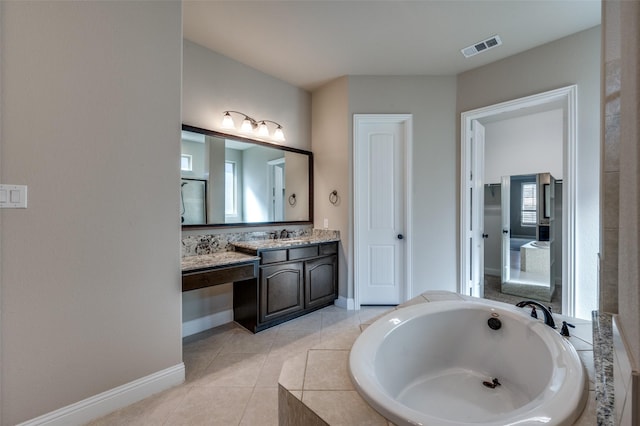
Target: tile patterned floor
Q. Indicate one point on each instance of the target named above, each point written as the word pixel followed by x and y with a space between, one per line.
pixel 232 374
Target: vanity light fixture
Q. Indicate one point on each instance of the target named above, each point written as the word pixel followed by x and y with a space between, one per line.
pixel 249 125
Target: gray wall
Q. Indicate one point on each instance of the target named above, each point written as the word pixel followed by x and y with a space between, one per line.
pixel 527 144
pixel 211 84
pixel 571 60
pixel 90 271
pixel 234 155
pixel 297 178
pixel 331 169
pixel 255 175
pixel 431 100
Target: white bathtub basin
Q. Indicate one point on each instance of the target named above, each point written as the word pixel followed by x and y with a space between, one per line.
pixel 426 364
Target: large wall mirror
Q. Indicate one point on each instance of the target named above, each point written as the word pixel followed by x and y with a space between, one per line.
pixel 234 181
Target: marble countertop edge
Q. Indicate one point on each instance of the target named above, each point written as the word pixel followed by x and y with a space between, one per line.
pixel 283 243
pixel 215 260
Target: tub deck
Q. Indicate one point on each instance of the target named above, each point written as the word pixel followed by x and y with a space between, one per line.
pixel 315 387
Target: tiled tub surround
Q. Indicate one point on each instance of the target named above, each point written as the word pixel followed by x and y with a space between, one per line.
pixel 315 387
pixel 196 245
pixel 614 376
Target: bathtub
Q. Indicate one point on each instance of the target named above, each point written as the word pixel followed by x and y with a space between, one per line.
pixel 435 364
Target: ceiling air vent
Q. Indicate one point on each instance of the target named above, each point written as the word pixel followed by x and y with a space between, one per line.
pixel 481 46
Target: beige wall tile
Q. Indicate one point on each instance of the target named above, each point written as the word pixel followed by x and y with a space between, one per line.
pixel 611 201
pixel 611 152
pixel 293 371
pixel 342 408
pixel 292 412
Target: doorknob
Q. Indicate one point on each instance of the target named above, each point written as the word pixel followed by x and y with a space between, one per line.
pixel 485 235
pixel 505 231
pixel 400 236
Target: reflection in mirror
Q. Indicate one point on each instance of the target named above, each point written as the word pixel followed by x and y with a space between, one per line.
pixel 193 201
pixel 528 236
pixel 230 180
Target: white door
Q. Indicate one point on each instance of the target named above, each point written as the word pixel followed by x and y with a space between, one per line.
pixel 381 175
pixel 505 194
pixel 477 220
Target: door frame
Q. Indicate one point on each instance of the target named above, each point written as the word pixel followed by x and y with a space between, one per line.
pixel 407 121
pixel 567 98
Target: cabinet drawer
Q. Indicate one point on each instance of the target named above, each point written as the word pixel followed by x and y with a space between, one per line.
pixel 330 248
pixel 303 252
pixel 218 276
pixel 273 256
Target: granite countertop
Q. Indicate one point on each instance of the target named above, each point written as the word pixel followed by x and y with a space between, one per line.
pixel 283 243
pixel 603 360
pixel 213 260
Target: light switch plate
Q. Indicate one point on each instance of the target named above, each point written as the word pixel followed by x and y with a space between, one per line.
pixel 13 196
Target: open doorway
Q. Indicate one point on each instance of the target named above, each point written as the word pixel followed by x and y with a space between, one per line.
pixel 523 249
pixel 478 170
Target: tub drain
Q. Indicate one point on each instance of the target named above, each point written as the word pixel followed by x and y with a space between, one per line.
pixel 492 384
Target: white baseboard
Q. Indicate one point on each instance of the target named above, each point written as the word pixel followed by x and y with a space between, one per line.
pixel 96 406
pixel 204 323
pixel 343 302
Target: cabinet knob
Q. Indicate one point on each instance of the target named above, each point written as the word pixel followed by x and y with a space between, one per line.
pixel 400 236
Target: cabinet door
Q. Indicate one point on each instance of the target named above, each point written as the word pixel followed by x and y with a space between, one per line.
pixel 321 279
pixel 281 289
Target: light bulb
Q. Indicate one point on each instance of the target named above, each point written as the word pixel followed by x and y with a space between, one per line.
pixel 246 126
pixel 227 121
pixel 278 134
pixel 263 130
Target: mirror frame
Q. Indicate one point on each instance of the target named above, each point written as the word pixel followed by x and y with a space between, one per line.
pixel 214 133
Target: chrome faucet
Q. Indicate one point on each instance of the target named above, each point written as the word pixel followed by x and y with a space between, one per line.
pixel 548 318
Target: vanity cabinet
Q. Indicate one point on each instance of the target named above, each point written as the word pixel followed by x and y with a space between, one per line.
pixel 281 290
pixel 291 282
pixel 320 277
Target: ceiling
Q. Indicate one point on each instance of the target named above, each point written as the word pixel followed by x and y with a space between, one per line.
pixel 310 42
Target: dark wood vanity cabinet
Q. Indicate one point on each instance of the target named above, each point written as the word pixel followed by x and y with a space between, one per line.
pixel 291 282
pixel 320 278
pixel 281 290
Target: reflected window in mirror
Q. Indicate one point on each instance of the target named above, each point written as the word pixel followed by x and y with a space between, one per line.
pixel 529 204
pixel 246 182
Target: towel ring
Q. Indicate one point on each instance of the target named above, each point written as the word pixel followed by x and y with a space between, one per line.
pixel 292 199
pixel 333 197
